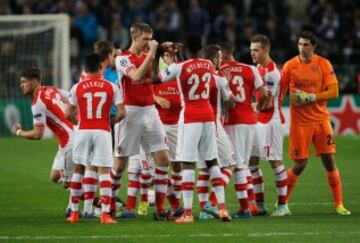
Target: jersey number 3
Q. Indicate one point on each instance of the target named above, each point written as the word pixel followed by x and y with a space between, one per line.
pixel 89 104
pixel 239 82
pixel 194 81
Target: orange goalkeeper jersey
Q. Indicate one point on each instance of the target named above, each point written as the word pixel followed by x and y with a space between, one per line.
pixel 313 77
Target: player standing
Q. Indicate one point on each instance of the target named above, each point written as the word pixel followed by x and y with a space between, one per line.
pixel 241 121
pixel 48 108
pixel 196 128
pixel 312 81
pixel 220 95
pixel 142 124
pixel 168 104
pixel 270 126
pixel 93 98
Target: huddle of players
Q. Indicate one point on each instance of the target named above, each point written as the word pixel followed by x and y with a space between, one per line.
pixel 189 127
pixel 190 117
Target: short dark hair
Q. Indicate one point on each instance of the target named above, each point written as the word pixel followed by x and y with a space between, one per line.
pixel 308 35
pixel 227 47
pixel 263 39
pixel 193 43
pixel 138 28
pixel 32 73
pixel 92 63
pixel 210 51
pixel 103 49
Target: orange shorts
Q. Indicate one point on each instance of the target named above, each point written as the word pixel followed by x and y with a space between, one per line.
pixel 301 136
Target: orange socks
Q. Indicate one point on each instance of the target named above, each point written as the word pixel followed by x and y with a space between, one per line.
pixel 292 178
pixel 334 181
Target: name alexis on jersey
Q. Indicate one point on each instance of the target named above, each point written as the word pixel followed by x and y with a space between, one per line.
pixel 92 84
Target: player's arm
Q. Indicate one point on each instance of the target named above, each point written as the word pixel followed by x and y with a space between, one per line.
pixel 170 73
pixel 121 113
pixel 35 134
pixel 226 94
pixel 161 101
pixel 39 120
pixel 260 88
pixel 70 112
pixel 119 103
pixel 137 74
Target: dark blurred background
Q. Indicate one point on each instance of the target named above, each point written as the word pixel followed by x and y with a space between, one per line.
pixel 336 23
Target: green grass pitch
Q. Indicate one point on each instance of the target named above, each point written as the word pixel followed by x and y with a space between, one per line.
pixel 31 207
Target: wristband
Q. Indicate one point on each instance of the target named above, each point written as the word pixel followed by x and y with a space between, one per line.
pixel 18 132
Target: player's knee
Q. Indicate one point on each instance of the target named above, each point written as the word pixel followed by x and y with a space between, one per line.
pixel 176 167
pixel 55 176
pixel 211 163
pixel 188 166
pixel 299 166
pixel 254 161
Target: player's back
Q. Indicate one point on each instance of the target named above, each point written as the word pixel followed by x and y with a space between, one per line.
pixel 94 97
pixel 195 79
pixel 135 94
pixel 53 102
pixel 244 81
pixel 310 77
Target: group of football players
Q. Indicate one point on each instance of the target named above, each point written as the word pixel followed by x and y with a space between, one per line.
pixel 181 106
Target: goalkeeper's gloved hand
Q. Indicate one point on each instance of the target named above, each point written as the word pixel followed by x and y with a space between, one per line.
pixel 300 98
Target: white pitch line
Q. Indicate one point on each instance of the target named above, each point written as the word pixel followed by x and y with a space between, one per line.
pixel 200 235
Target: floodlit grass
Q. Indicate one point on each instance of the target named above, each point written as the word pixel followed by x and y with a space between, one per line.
pixel 31 207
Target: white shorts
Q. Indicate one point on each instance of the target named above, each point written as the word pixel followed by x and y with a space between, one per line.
pixel 271 138
pixel 140 162
pixel 242 137
pixel 63 160
pixel 92 147
pixel 255 150
pixel 142 125
pixel 196 141
pixel 171 135
pixel 225 149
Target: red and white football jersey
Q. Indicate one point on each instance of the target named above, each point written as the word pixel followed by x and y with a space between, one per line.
pixel 245 79
pixel 194 78
pixel 169 91
pixel 48 109
pixel 136 94
pixel 94 97
pixel 219 92
pixel 272 78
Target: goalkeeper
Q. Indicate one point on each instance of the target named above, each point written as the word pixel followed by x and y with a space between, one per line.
pixel 312 81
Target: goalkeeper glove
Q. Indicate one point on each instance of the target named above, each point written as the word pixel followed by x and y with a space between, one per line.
pixel 300 98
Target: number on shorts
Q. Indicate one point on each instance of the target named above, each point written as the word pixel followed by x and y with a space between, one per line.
pixel 194 81
pixel 89 104
pixel 330 139
pixel 239 82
